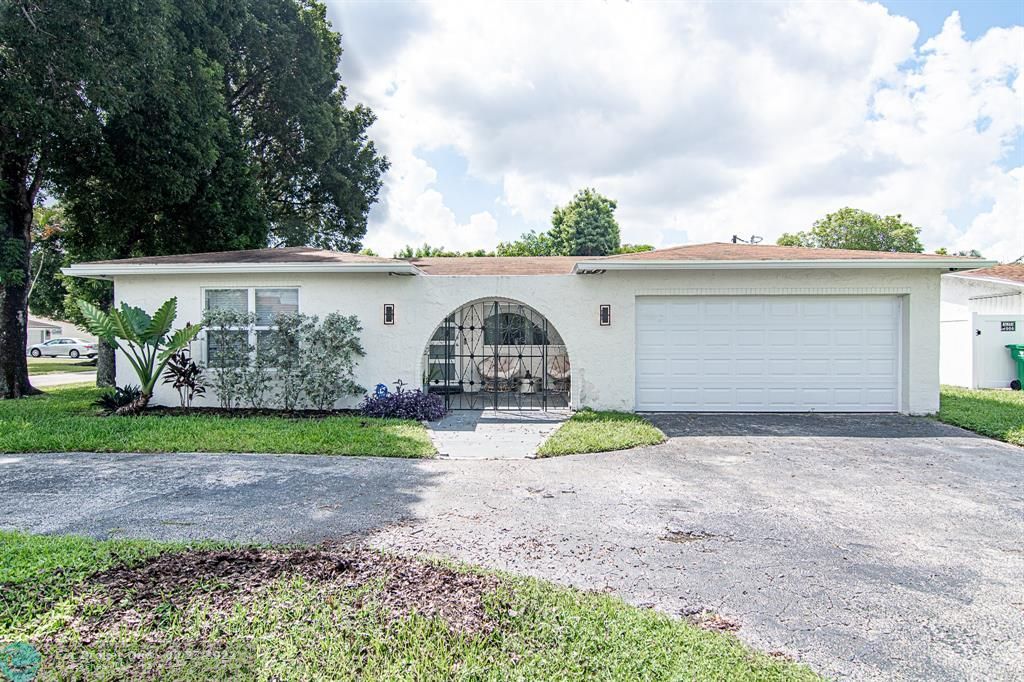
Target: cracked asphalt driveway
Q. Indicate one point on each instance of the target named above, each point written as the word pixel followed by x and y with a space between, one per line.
pixel 868 547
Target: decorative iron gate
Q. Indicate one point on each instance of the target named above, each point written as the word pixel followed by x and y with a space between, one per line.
pixel 498 354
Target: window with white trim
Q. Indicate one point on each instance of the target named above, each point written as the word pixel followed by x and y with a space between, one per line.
pixel 266 302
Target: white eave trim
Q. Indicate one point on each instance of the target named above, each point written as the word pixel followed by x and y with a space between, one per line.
pixel 865 263
pixel 106 271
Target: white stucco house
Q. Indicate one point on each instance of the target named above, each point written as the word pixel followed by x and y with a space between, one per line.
pixel 982 311
pixel 711 327
pixel 40 330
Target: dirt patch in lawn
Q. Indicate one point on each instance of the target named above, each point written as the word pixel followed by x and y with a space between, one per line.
pixel 225 577
pixel 709 620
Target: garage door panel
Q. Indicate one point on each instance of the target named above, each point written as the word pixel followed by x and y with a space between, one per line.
pixel 766 353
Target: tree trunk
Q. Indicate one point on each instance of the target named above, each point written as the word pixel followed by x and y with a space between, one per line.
pixel 106 369
pixel 134 408
pixel 17 195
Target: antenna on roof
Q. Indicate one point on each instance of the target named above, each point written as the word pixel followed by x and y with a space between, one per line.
pixel 754 239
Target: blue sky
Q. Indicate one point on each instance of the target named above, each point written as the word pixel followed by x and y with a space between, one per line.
pixel 700 120
pixel 976 16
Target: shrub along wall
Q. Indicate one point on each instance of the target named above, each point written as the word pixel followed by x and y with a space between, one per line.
pixel 301 362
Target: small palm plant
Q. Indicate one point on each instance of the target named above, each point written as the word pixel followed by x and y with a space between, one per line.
pixel 147 342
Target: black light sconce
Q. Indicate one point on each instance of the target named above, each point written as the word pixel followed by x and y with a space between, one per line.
pixel 389 313
pixel 606 315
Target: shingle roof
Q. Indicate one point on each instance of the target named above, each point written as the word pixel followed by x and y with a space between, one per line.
pixel 537 265
pixel 498 265
pixel 291 254
pixel 1009 272
pixel 754 252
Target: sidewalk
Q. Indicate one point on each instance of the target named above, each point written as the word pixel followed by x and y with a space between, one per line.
pixel 60 378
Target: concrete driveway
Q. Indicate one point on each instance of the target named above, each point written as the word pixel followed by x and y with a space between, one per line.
pixel 868 547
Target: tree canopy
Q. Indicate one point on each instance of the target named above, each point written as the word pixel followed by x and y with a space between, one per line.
pixel 166 127
pixel 428 251
pixel 972 253
pixel 586 226
pixel 851 228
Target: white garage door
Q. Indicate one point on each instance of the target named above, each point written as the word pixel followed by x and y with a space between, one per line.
pixel 767 353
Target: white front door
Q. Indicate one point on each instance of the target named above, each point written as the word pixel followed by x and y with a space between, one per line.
pixel 768 353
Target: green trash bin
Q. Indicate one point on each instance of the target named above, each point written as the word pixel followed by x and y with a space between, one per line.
pixel 1017 353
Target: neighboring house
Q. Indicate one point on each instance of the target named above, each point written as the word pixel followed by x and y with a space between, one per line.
pixel 711 327
pixel 41 330
pixel 56 328
pixel 982 311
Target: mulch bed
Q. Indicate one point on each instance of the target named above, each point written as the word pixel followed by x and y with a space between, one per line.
pixel 232 575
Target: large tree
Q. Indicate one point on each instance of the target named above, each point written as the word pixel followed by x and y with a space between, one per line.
pixel 232 133
pixel 851 228
pixel 64 66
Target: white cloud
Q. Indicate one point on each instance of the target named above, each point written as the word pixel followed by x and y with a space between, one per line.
pixel 701 121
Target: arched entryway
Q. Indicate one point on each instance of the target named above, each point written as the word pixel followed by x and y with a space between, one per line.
pixel 497 354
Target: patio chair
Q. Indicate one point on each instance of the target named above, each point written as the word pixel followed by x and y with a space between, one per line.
pixel 559 371
pixel 498 374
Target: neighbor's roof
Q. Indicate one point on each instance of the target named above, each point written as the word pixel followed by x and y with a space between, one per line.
pixel 1010 273
pixel 716 255
pixel 39 324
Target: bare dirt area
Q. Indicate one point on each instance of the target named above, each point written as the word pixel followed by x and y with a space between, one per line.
pixel 224 577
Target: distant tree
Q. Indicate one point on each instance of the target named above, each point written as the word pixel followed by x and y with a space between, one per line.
pixel 46 288
pixel 586 226
pixel 530 243
pixel 428 251
pixel 973 253
pixel 851 228
pixel 367 252
pixel 634 248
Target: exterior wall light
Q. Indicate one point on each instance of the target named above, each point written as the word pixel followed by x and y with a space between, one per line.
pixel 389 313
pixel 606 316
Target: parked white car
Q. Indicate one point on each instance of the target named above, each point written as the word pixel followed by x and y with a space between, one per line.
pixel 73 348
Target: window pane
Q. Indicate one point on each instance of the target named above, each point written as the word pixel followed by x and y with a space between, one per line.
pixel 227 348
pixel 272 302
pixel 236 300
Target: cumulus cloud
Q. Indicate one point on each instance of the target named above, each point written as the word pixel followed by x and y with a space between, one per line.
pixel 699 120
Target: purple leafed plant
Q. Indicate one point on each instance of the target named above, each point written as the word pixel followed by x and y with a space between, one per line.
pixel 402 404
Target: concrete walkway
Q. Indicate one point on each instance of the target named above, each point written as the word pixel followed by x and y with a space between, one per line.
pixel 491 434
pixel 61 378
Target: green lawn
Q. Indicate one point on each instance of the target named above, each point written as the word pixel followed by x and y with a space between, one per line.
pixel 590 431
pixel 38 366
pixel 997 414
pixel 142 610
pixel 63 420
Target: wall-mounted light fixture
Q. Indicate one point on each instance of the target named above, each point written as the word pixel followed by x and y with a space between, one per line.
pixel 389 313
pixel 606 315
